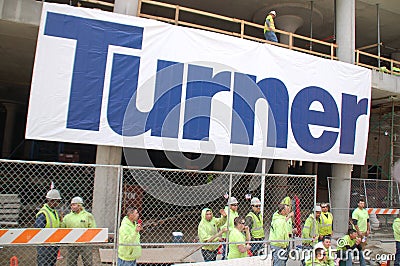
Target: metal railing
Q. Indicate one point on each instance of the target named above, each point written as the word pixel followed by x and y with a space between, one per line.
pixel 243 26
pixel 390 62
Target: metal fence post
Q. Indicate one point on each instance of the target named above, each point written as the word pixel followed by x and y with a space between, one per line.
pixel 118 203
pixel 228 217
pixel 263 170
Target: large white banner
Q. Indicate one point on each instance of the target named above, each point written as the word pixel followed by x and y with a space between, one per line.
pixel 109 79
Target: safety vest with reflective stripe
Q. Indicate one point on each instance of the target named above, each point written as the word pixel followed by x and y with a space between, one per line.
pixel 257 230
pixel 325 227
pixel 310 230
pixel 271 23
pixel 52 218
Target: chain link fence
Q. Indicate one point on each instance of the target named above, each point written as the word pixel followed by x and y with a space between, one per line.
pixel 378 194
pixel 169 203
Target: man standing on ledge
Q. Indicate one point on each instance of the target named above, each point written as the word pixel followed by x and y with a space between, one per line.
pixel 269 27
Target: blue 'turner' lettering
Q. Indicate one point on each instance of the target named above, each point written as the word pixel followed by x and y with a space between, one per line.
pixel 351 111
pixel 163 119
pixel 246 94
pixel 92 40
pixel 201 87
pixel 302 117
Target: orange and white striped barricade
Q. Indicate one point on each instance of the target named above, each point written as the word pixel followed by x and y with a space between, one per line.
pixel 53 235
pixel 382 211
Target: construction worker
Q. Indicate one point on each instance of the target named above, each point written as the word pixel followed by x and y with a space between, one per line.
pixel 240 247
pixel 269 27
pixel 129 233
pixel 326 245
pixel 310 229
pixel 78 218
pixel 320 259
pixel 279 231
pixel 48 217
pixel 346 247
pixel 289 217
pixel 208 232
pixel 360 220
pixel 325 221
pixel 231 210
pixel 254 220
pixel 396 231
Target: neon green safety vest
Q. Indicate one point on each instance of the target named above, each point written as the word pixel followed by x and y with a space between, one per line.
pixel 310 230
pixel 271 23
pixel 257 230
pixel 52 218
pixel 325 227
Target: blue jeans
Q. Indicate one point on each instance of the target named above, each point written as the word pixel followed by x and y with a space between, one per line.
pixel 397 256
pixel 270 36
pixel 126 262
pixel 279 256
pixel 361 258
pixel 347 258
pixel 47 256
pixel 224 247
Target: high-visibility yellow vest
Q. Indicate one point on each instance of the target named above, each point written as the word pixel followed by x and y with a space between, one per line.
pixel 52 218
pixel 257 230
pixel 325 227
pixel 310 230
pixel 271 23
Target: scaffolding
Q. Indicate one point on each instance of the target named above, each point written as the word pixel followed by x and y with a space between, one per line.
pixel 383 155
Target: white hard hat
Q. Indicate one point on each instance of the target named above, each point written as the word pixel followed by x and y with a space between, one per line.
pixel 53 194
pixel 318 209
pixel 273 12
pixel 232 200
pixel 255 201
pixel 77 200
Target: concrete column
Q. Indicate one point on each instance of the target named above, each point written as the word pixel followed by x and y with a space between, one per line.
pixel 346 29
pixel 105 186
pixel 8 140
pixel 281 167
pixel 106 179
pixel 288 23
pixel 127 7
pixel 219 163
pixel 340 196
pixel 340 187
pixel 310 168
